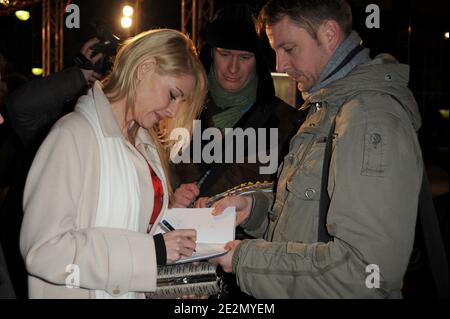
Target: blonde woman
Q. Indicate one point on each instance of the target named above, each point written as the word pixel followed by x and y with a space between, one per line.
pixel 99 181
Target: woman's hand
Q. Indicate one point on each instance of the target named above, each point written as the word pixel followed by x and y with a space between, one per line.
pixel 243 206
pixel 179 243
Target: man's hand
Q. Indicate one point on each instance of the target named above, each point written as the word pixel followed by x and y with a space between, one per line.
pixel 185 195
pixel 87 51
pixel 201 202
pixel 226 260
pixel 1 119
pixel 243 206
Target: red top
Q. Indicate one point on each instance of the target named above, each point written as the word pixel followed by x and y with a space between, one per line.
pixel 158 196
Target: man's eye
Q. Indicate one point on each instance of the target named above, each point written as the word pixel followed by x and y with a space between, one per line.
pixel 223 53
pixel 172 96
pixel 288 50
pixel 245 57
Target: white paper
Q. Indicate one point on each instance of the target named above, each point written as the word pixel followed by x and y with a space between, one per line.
pixel 204 251
pixel 213 232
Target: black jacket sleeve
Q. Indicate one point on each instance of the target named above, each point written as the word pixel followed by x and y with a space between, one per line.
pixel 40 102
pixel 6 288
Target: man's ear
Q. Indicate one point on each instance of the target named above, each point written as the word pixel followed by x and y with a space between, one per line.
pixel 330 35
pixel 149 65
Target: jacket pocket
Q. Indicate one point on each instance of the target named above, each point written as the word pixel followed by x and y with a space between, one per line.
pixel 374 154
pixel 301 208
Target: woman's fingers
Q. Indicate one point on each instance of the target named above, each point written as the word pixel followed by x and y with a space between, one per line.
pixel 187 233
pixel 180 243
pixel 187 247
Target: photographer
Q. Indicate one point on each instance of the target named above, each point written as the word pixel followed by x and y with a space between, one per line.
pixel 39 103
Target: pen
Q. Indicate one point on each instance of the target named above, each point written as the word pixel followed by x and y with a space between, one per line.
pixel 203 178
pixel 170 227
pixel 200 182
pixel 167 225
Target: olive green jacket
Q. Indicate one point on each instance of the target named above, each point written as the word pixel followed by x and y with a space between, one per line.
pixel 374 182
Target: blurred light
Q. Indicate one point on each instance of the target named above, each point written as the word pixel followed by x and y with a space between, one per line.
pixel 5 2
pixel 128 11
pixel 22 15
pixel 446 35
pixel 37 71
pixel 444 113
pixel 126 22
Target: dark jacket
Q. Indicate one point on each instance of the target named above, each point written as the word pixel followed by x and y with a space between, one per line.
pixel 6 288
pixel 267 112
pixel 35 106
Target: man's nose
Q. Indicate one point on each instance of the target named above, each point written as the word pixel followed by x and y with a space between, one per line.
pixel 281 66
pixel 233 66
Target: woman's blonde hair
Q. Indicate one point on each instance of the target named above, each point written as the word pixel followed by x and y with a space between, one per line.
pixel 175 55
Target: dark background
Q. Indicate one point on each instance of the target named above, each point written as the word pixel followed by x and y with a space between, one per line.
pixel 424 47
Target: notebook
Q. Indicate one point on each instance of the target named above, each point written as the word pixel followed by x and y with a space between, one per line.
pixel 213 232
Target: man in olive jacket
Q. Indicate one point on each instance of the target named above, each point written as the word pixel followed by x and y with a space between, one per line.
pixel 374 175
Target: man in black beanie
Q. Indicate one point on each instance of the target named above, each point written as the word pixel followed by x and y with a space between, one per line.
pixel 241 95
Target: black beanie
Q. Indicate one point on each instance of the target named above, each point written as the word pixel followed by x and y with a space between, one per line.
pixel 233 29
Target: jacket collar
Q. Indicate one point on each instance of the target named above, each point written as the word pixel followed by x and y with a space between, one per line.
pixel 382 75
pixel 108 122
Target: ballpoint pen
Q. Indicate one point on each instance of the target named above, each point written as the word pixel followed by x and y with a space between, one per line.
pixel 203 178
pixel 167 225
pixel 199 183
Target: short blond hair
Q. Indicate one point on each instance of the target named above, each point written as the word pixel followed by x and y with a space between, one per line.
pixel 175 55
pixel 307 14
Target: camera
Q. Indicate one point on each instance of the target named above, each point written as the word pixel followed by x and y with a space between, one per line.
pixel 108 41
pixel 108 45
